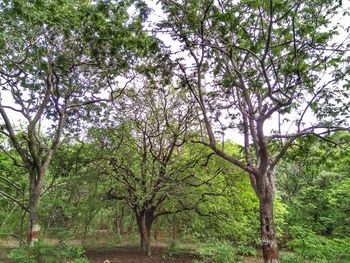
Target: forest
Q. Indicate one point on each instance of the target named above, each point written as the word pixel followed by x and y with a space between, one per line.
pixel 189 131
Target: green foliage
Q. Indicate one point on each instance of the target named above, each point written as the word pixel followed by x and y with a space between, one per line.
pixel 219 252
pixel 62 234
pixel 144 157
pixel 42 252
pixel 246 250
pixel 13 186
pixel 172 251
pixel 231 215
pixel 292 258
pixel 22 255
pixel 319 248
pixel 313 182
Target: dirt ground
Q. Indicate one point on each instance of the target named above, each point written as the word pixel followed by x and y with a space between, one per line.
pixel 125 252
pixel 130 255
pixel 133 255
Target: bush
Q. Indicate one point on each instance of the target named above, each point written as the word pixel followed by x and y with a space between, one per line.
pixel 22 255
pixel 46 253
pixel 292 258
pixel 245 250
pixel 219 252
pixel 321 249
pixel 173 250
pixel 63 235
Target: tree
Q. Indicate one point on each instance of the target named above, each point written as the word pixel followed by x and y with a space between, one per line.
pixel 55 58
pixel 146 153
pixel 255 64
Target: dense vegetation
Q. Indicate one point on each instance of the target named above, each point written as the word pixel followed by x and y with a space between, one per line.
pixel 222 127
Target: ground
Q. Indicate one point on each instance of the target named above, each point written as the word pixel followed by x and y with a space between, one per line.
pixel 133 255
pixel 125 252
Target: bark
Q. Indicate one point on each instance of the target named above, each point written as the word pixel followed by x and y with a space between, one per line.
pixel 268 236
pixel 144 222
pixel 36 179
pixel 34 212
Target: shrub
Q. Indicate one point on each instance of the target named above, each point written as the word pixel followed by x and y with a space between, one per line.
pixel 245 250
pixel 172 251
pixel 46 253
pixel 292 258
pixel 219 252
pixel 319 248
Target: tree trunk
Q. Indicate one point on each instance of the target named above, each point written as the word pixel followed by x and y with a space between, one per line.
pixel 34 211
pixel 268 237
pixel 34 221
pixel 144 222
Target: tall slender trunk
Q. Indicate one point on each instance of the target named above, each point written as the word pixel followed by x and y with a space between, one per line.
pixel 267 226
pixel 144 222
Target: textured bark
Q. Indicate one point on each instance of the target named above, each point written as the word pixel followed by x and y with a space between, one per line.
pixel 34 219
pixel 268 235
pixel 36 179
pixel 34 212
pixel 144 222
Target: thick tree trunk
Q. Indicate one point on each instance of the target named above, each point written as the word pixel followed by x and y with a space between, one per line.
pixel 145 242
pixel 34 215
pixel 144 222
pixel 267 226
pixel 34 211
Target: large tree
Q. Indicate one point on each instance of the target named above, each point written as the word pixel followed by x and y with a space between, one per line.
pixel 145 150
pixel 55 57
pixel 259 68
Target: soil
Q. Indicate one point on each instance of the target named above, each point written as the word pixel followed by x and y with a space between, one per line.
pixel 133 255
pixel 125 252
